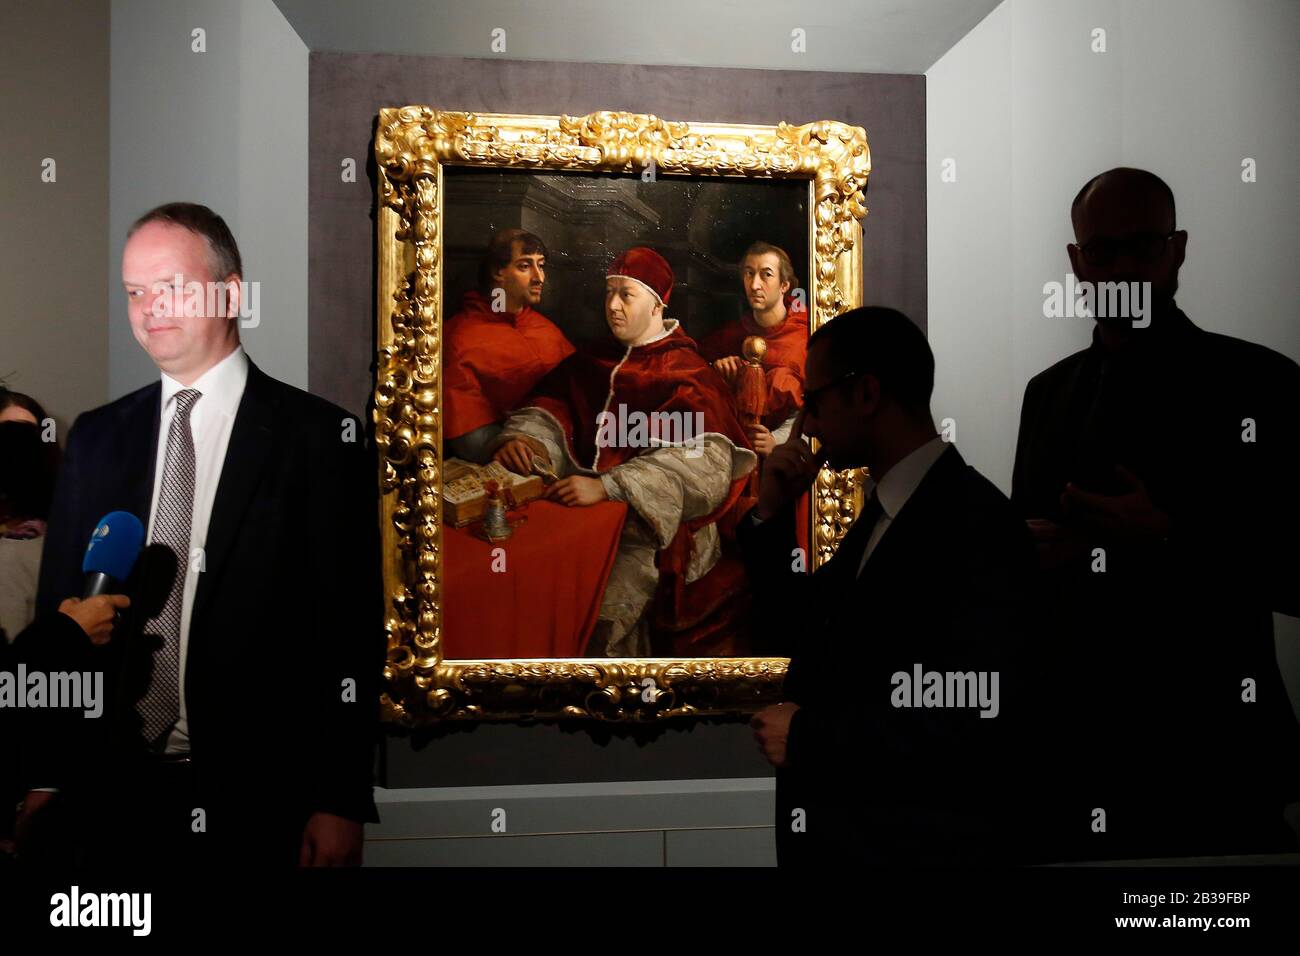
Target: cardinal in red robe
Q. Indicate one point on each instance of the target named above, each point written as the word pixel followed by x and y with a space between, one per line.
pixel 787 348
pixel 779 316
pixel 492 360
pixel 645 420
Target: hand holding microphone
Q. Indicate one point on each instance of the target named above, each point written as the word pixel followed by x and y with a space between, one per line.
pixel 96 615
pixel 111 554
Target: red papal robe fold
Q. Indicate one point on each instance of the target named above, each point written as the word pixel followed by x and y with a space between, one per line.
pixel 783 365
pixel 655 423
pixel 491 360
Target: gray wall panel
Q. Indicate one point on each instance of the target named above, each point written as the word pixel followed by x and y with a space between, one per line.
pixel 54 69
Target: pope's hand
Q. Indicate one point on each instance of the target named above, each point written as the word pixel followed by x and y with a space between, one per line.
pixel 577 490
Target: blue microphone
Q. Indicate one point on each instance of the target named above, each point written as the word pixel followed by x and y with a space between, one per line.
pixel 110 556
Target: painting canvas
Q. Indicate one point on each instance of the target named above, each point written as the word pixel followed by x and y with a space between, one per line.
pixel 599 430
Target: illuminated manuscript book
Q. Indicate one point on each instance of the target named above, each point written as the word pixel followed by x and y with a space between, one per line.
pixel 464 497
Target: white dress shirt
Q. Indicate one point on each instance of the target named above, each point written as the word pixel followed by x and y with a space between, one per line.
pixel 211 420
pixel 897 485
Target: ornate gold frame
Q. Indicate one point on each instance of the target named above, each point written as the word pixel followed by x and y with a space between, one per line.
pixel 412 144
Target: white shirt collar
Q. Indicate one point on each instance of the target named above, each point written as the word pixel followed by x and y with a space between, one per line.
pixel 221 386
pixel 898 484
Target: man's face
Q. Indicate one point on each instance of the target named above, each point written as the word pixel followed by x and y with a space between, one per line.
pixel 1121 237
pixel 632 312
pixel 833 413
pixel 174 325
pixel 761 276
pixel 523 278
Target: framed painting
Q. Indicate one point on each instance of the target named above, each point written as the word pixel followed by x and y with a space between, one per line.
pixel 590 332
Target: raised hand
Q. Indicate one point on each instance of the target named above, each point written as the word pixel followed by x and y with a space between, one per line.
pixel 1130 513
pixel 788 472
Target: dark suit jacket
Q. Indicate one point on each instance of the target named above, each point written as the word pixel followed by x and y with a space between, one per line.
pixel 947 588
pixel 1176 416
pixel 288 606
pixel 1153 651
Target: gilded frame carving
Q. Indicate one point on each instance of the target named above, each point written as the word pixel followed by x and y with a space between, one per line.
pixel 412 145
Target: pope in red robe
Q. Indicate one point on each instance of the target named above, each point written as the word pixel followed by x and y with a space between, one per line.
pixel 678 396
pixel 645 420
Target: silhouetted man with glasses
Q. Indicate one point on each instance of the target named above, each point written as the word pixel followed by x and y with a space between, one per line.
pixel 899 737
pixel 1156 471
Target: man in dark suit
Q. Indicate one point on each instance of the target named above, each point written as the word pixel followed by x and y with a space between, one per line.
pixel 877 761
pixel 1156 470
pixel 245 673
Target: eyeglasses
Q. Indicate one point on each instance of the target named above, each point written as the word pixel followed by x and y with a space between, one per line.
pixel 1144 247
pixel 810 398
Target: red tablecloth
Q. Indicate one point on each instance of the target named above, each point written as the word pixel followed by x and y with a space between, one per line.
pixel 544 604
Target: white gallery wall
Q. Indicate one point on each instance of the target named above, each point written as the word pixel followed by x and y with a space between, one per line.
pixel 226 127
pixel 1026 112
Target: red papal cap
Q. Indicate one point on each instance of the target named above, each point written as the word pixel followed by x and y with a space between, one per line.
pixel 647 267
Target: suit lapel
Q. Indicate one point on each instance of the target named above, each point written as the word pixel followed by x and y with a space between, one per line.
pixel 1056 439
pixel 251 441
pixel 854 543
pixel 1062 397
pixel 902 528
pixel 138 454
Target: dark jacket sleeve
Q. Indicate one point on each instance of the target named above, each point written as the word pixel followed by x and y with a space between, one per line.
pixel 780 591
pixel 53 744
pixel 1022 494
pixel 66 535
pixel 346 621
pixel 50 740
pixel 786 596
pixel 1239 531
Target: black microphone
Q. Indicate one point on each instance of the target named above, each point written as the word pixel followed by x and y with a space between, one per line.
pixel 111 554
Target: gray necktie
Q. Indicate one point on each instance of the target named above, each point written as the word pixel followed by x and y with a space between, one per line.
pixel 160 706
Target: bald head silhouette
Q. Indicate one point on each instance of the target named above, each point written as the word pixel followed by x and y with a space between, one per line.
pixel 1125 230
